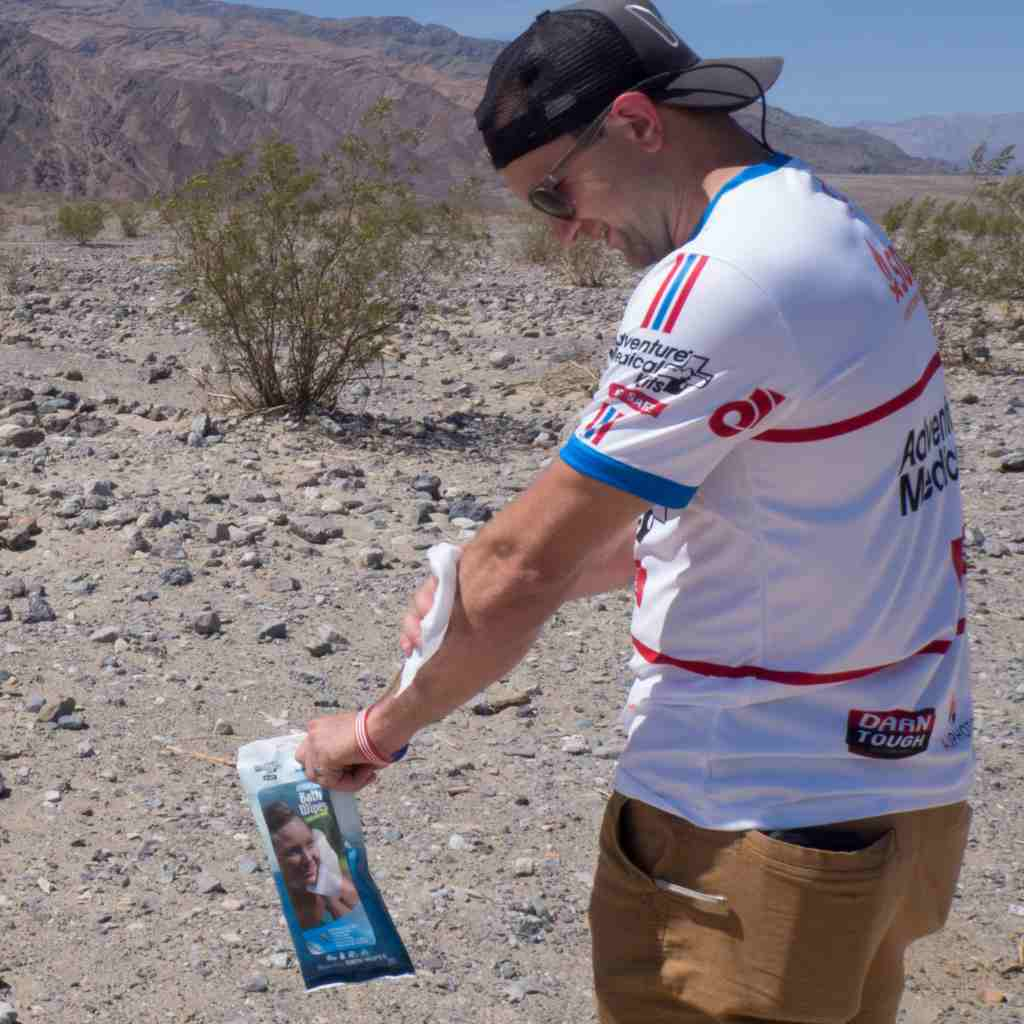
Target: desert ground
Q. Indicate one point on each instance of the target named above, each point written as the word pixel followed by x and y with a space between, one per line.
pixel 132 888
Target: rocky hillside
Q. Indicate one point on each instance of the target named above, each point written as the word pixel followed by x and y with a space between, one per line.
pixel 952 137
pixel 110 97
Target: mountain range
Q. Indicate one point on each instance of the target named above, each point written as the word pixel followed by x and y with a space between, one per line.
pixel 126 97
pixel 952 137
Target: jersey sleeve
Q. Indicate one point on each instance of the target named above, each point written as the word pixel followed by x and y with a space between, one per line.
pixel 703 362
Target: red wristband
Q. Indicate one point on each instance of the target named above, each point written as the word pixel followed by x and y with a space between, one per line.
pixel 370 753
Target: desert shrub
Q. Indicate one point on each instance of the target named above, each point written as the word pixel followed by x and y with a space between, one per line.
pixel 299 272
pixel 82 221
pixel 587 264
pixel 972 247
pixel 537 243
pixel 14 271
pixel 129 219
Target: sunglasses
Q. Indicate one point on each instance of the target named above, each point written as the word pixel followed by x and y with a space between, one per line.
pixel 545 197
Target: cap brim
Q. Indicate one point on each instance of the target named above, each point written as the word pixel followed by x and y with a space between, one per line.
pixel 725 82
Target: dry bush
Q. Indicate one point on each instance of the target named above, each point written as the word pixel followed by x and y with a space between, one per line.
pixel 537 243
pixel 973 248
pixel 129 218
pixel 81 221
pixel 587 264
pixel 14 271
pixel 299 273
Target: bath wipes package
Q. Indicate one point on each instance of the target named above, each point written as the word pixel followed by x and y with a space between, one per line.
pixel 340 927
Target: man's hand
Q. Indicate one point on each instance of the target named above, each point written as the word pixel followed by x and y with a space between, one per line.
pixel 421 603
pixel 329 754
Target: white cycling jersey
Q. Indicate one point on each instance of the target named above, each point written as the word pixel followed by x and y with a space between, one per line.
pixel 776 393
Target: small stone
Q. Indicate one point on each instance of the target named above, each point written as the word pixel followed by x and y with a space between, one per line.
pixel 4 791
pixel 427 484
pixel 222 727
pixel 70 507
pixel 206 624
pixel 14 436
pixel 135 541
pixel 250 560
pixel 575 745
pixel 1012 463
pixel 248 866
pixel 55 709
pixel 500 359
pixel 86 749
pixel 176 576
pixel 73 723
pixel 284 584
pixel 8 1014
pixel 216 532
pixel 524 867
pixel 996 549
pixel 458 843
pixel 280 961
pixel 273 631
pixel 6 615
pixel 200 425
pixel 105 635
pixel 207 885
pixel 38 610
pixel 35 703
pixel 372 558
pixel 255 983
pixel 52 796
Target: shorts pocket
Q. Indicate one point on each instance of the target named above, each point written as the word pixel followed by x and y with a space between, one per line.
pixel 869 861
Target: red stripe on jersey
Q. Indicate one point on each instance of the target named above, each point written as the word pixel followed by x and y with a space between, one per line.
pixel 770 675
pixel 865 419
pixel 653 308
pixel 684 295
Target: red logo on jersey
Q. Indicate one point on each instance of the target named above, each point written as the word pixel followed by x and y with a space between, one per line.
pixel 959 562
pixel 734 417
pixel 636 400
pixel 892 734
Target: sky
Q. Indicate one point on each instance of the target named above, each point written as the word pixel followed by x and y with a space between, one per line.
pixel 846 60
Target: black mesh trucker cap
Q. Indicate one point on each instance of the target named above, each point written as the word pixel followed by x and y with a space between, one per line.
pixel 571 63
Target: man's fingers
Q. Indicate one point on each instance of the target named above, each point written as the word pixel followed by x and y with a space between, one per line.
pixel 350 780
pixel 423 599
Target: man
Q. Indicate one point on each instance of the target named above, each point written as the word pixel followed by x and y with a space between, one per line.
pixel 789 812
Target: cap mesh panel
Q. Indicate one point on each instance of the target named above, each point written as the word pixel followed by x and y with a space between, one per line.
pixel 555 78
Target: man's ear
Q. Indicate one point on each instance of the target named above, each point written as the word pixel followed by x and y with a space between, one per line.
pixel 635 117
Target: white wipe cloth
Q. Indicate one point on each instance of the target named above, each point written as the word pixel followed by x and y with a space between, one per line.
pixel 444 564
pixel 328 879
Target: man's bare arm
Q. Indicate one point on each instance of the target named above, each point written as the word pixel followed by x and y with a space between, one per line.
pixel 563 538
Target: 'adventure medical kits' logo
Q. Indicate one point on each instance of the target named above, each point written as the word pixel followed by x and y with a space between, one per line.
pixel 891 734
pixel 734 417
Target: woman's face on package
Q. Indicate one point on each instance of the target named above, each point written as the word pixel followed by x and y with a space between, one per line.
pixel 295 846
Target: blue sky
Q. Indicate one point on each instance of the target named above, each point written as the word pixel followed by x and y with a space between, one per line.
pixel 846 60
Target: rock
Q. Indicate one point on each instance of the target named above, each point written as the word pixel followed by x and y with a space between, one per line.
pixel 216 532
pixel 135 541
pixel 206 624
pixel 6 615
pixel 207 884
pixel 70 507
pixel 372 558
pixel 38 610
pixel 575 745
pixel 996 549
pixel 55 709
pixel 4 791
pixel 18 533
pixel 427 484
pixel 222 727
pixel 200 425
pixel 284 584
pixel 105 635
pixel 467 507
pixel 1012 463
pixel 8 1014
pixel 52 796
pixel 280 960
pixel 500 359
pixel 255 983
pixel 99 488
pixel 86 749
pixel 316 531
pixel 14 436
pixel 176 576
pixel 273 631
pixel 523 867
pixel 73 723
pixel 248 866
pixel 459 843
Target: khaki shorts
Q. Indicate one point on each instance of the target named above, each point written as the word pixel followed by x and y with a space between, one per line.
pixel 694 925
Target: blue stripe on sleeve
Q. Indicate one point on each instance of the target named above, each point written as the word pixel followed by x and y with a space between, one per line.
pixel 595 464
